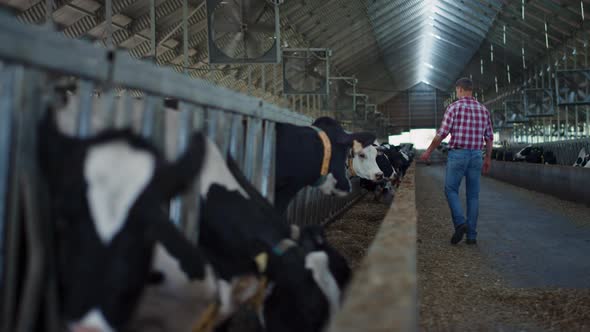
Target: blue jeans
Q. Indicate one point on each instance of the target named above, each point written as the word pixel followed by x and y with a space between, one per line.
pixel 468 164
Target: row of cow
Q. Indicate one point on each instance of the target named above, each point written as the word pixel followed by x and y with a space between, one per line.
pixel 538 155
pixel 529 154
pixel 124 266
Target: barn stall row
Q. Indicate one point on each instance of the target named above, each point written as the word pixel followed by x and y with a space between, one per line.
pixel 72 104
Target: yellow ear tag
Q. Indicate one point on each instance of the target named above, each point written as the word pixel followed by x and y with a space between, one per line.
pixel 261 261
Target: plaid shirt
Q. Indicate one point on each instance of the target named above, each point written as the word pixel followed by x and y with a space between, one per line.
pixel 468 122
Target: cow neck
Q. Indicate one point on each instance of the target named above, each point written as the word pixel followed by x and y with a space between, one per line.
pixel 350 165
pixel 327 155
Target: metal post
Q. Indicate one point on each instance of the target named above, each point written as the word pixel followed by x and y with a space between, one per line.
pixel 253 144
pixel 308 105
pixel 86 89
pixel 567 123
pixel 185 35
pixel 236 148
pixel 587 118
pixel 153 30
pixel 263 78
pixel 49 13
pixel 274 80
pixel 575 106
pixel 268 161
pixel 109 23
pixel 250 87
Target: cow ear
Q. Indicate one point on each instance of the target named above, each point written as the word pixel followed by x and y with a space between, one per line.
pixel 176 177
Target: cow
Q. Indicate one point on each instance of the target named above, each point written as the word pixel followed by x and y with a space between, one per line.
pixel 583 159
pixel 106 197
pixel 536 155
pixel 300 158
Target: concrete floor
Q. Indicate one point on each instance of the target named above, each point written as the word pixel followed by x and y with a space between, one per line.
pixel 532 239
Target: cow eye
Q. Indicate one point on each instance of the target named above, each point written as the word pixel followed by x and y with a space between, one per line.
pixel 362 155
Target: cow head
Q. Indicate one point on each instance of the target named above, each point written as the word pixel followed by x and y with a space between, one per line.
pixel 583 158
pixel 366 164
pixel 106 197
pixel 521 155
pixel 336 181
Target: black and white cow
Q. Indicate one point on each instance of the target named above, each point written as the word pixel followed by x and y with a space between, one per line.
pixel 108 192
pixel 299 155
pixel 106 198
pixel 536 155
pixel 583 159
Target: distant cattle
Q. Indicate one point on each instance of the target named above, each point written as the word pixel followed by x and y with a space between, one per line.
pixel 583 159
pixel 300 153
pixel 536 155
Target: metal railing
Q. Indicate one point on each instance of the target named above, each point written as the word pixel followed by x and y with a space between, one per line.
pixel 32 59
pixel 566 152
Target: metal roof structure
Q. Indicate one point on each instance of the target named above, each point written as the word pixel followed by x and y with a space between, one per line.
pixel 390 46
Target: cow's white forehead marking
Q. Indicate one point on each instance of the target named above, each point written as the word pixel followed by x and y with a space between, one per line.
pixel 318 263
pixel 367 167
pixel 94 319
pixel 116 174
pixel 215 171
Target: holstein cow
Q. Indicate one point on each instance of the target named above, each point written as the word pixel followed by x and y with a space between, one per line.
pixel 108 192
pixel 106 198
pixel 373 168
pixel 583 159
pixel 316 156
pixel 536 155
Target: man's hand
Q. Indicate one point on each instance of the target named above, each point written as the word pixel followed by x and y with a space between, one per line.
pixel 487 164
pixel 425 156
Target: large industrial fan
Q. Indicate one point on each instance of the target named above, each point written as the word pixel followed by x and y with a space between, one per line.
pixel 306 71
pixel 573 86
pixel 538 103
pixel 243 31
pixel 514 112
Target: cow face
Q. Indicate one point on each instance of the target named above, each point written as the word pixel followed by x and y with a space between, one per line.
pixel 365 163
pixel 336 181
pixel 106 198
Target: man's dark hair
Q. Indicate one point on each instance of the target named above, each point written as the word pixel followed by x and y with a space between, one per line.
pixel 464 83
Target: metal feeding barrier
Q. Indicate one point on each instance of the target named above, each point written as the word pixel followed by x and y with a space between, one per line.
pixel 111 89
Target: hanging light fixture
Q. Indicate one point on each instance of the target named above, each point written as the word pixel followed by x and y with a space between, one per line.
pixel 582 9
pixel 504 35
pixel 522 10
pixel 491 52
pixel 523 62
pixel 508 72
pixel 546 36
pixel 481 65
pixel 496 83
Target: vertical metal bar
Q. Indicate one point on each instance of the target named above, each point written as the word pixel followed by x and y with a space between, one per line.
pixel 268 161
pixel 185 35
pixel 49 13
pixel 250 87
pixel 236 146
pixel 263 78
pixel 567 123
pixel 182 138
pixel 8 84
pixel 86 89
pixel 11 94
pixel 108 108
pixel 587 118
pixel 252 160
pixel 192 205
pixel 576 106
pixel 109 23
pixel 28 177
pixel 153 30
pixel 147 122
pixel 274 80
pixel 308 105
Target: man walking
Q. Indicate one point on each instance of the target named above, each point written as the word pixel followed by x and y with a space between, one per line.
pixel 469 124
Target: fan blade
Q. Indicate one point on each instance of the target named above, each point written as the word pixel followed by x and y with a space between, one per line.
pixel 251 46
pixel 231 48
pixel 264 28
pixel 231 12
pixel 292 65
pixel 253 10
pixel 224 27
